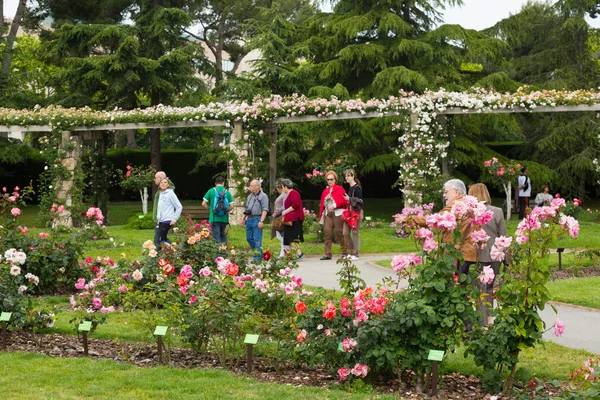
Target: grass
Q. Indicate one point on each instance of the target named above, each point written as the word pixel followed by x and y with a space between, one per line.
pixel 548 360
pixel 82 378
pixel 580 291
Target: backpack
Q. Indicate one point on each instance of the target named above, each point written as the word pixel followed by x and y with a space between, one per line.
pixel 526 184
pixel 221 203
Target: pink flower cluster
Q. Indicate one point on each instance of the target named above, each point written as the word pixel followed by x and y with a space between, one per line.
pixel 498 251
pixel 349 344
pixel 479 238
pixel 91 297
pixel 315 172
pixel 95 213
pixel 401 262
pixel 359 370
pixel 473 209
pixel 445 222
pixel 570 224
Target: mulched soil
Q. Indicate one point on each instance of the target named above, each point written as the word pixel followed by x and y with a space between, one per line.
pixel 453 386
pixel 575 273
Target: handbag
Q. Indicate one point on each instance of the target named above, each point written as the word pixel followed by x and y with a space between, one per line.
pixel 351 217
pixel 277 224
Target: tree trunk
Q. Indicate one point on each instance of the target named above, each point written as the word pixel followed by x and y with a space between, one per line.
pixel 119 140
pixel 131 143
pixel 10 39
pixel 1 15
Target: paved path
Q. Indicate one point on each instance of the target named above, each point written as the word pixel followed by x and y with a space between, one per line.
pixel 582 329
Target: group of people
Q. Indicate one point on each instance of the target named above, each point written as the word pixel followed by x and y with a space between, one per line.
pixel 455 190
pixel 523 193
pixel 340 211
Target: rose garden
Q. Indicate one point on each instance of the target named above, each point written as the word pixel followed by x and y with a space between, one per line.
pixel 72 270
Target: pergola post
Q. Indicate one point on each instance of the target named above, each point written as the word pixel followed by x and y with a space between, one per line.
pixel 271 128
pixel 239 147
pixel 414 123
pixel 71 146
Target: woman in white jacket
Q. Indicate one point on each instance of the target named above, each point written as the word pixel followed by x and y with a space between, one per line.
pixel 168 212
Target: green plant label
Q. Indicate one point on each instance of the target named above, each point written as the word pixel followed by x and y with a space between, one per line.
pixel 5 316
pixel 141 216
pixel 340 348
pixel 367 218
pixel 161 330
pixel 85 326
pixel 251 339
pixel 436 355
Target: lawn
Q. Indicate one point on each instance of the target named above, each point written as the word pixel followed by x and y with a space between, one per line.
pixel 33 376
pixel 580 291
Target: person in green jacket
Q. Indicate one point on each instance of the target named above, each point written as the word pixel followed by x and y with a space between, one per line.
pixel 218 223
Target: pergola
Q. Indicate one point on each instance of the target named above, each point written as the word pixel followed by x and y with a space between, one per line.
pixel 76 127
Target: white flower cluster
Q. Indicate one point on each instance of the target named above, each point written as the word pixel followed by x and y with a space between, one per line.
pixel 15 257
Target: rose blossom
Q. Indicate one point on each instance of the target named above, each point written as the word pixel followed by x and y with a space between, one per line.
pixel 80 284
pixel 497 255
pixel 137 275
pixel 105 310
pixel 22 289
pixel 329 313
pixel 502 242
pixel 487 275
pixel 343 373
pixel 97 303
pixel 15 212
pixel 479 236
pixel 559 328
pixel 430 245
pixel 349 344
pixel 302 335
pixel 15 270
pixel 360 370
pixel 300 307
pixel 123 288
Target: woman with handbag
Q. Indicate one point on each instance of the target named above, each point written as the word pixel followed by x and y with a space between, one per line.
pixel 353 214
pixel 332 206
pixel 277 219
pixel 293 217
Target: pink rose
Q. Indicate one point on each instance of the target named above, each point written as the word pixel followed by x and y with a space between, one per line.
pixel 348 344
pixel 123 288
pixel 559 327
pixel 105 310
pixel 44 235
pixel 80 284
pixel 128 174
pixel 97 303
pixel 487 275
pixel 360 370
pixel 15 212
pixel 343 373
pixel 61 208
pixel 479 236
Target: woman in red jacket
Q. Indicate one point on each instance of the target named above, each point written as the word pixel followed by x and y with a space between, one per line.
pixel 333 203
pixel 292 212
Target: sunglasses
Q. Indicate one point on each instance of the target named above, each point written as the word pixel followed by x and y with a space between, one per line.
pixel 330 179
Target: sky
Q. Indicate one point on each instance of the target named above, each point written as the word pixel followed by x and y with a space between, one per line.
pixel 474 14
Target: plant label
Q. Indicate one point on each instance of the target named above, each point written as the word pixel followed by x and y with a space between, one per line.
pixel 160 330
pixel 5 316
pixel 436 355
pixel 251 339
pixel 367 218
pixel 85 326
pixel 340 348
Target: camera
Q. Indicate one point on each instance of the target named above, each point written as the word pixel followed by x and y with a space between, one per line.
pixel 247 212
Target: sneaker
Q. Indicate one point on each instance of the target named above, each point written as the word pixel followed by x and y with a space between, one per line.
pixel 353 258
pixel 325 258
pixel 300 256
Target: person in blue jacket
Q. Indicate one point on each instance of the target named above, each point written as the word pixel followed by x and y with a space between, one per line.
pixel 168 212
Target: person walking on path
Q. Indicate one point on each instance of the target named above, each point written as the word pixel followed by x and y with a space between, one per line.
pixel 159 176
pixel 218 200
pixel 293 213
pixel 331 208
pixel 257 207
pixel 354 198
pixel 277 214
pixel 169 210
pixel 495 228
pixel 524 191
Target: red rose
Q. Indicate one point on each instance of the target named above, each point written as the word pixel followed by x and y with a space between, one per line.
pixel 232 269
pixel 267 255
pixel 329 313
pixel 300 307
pixel 168 269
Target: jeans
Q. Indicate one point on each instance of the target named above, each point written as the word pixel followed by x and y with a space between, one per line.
pixel 156 236
pixel 218 231
pixel 163 230
pixel 254 236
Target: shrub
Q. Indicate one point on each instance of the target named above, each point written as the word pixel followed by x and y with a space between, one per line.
pixel 141 221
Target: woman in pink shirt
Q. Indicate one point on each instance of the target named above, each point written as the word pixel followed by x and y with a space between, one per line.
pixel 292 212
pixel 333 203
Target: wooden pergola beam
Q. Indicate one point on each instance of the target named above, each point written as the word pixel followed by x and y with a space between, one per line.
pixel 307 118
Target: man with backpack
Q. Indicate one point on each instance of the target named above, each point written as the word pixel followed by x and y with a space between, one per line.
pixel 219 201
pixel 523 190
